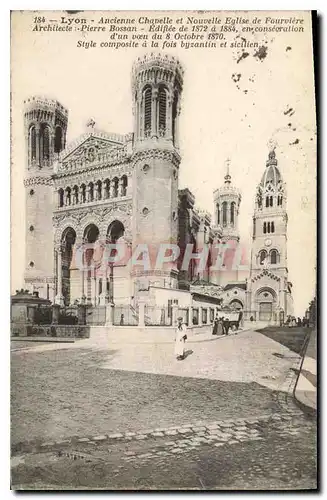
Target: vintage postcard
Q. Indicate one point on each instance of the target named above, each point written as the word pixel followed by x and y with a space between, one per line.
pixel 163 251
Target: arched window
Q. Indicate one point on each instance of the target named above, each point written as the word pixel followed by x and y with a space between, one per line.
pixel 274 257
pixel 232 213
pixel 162 101
pixel 218 213
pixel 279 200
pixel 45 142
pixel 262 257
pixel 267 201
pixel 225 213
pixel 68 196
pixel 265 227
pixel 115 187
pixel 58 140
pixel 124 185
pixel 98 190
pixel 115 231
pixel 61 198
pixel 272 227
pixel 106 189
pixel 33 143
pixel 271 201
pixel 268 227
pixel 147 111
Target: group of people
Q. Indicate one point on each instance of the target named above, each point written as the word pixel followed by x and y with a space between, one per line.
pixel 221 326
pixel 292 321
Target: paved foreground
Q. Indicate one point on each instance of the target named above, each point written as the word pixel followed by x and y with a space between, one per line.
pixel 122 416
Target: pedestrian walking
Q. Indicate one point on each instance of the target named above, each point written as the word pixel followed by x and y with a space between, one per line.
pixel 226 325
pixel 239 320
pixel 180 339
pixel 215 326
pixel 220 326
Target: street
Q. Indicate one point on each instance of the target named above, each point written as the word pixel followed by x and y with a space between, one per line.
pixel 113 415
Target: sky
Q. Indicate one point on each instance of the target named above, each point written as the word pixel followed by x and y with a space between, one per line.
pixel 230 110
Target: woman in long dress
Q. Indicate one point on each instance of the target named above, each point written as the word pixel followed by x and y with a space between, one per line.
pixel 215 326
pixel 220 330
pixel 180 339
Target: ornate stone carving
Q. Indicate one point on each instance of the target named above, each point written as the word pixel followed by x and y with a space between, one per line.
pixel 158 154
pixel 93 174
pixel 92 151
pixel 267 273
pixel 94 134
pixel 32 181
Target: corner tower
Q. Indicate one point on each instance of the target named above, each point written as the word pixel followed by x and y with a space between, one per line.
pixel 269 291
pixel 227 201
pixel 45 124
pixel 157 83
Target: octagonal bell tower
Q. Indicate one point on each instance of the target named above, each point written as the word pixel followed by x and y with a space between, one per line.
pixel 227 200
pixel 45 122
pixel 157 83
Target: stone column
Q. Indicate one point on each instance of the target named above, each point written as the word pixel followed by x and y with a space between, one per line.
pixel 96 193
pixel 138 115
pixel 59 297
pixel 200 316
pixel 88 193
pixel 103 293
pixel 94 289
pixel 37 140
pixel 176 138
pixel 55 314
pixel 141 117
pixel 121 187
pixel 169 117
pixel 82 285
pixel 81 195
pixel 112 189
pixel 154 131
pixel 129 187
pixel 104 190
pixel 190 316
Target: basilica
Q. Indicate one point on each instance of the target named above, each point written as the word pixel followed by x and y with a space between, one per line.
pixel 106 189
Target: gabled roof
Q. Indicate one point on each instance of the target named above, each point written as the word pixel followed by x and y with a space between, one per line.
pixel 98 135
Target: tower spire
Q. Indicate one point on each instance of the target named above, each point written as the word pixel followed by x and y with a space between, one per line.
pixel 227 176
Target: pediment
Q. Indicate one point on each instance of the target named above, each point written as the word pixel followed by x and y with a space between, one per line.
pixel 91 150
pixel 91 143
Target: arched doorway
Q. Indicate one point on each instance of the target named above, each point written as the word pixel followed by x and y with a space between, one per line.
pixel 236 305
pixel 266 301
pixel 68 239
pixel 91 235
pixel 115 231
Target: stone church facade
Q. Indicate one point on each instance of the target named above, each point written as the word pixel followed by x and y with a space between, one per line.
pixel 107 189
